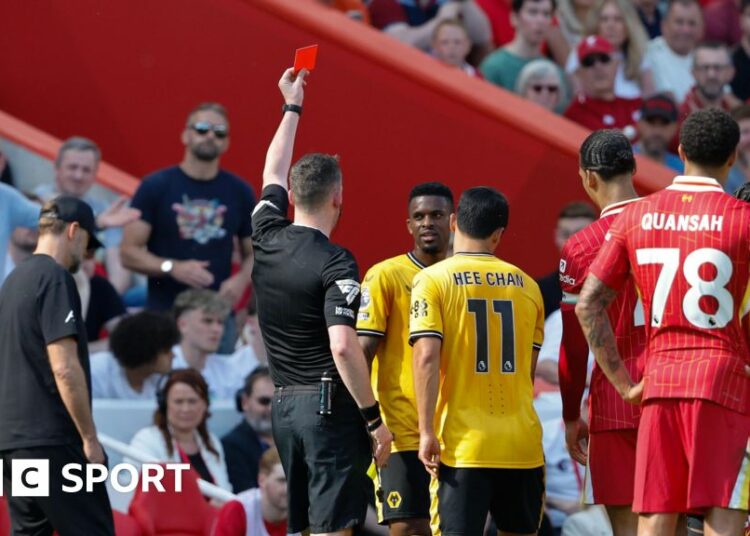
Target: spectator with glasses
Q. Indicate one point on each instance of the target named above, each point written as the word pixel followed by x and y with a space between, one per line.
pixel 713 71
pixel 598 106
pixel 190 216
pixel 540 82
pixel 245 443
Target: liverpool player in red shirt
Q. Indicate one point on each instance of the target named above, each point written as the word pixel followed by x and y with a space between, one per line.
pixel 607 165
pixel 688 249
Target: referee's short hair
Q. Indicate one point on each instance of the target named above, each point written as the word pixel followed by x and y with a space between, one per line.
pixel 313 179
pixel 481 212
pixel 202 299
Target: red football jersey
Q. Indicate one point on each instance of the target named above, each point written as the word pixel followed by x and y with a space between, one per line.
pixel 608 411
pixel 597 113
pixel 688 248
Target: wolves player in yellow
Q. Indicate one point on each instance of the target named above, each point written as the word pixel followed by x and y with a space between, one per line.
pixel 383 329
pixel 477 325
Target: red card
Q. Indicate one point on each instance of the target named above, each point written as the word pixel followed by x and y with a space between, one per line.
pixel 304 58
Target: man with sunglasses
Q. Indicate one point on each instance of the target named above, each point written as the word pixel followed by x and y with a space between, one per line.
pixel 246 442
pixel 598 107
pixel 190 216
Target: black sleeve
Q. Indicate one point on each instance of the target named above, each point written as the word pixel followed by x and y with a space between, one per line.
pixel 270 212
pixel 341 283
pixel 58 307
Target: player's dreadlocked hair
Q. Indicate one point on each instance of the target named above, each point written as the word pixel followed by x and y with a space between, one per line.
pixel 431 188
pixel 743 192
pixel 608 152
pixel 709 137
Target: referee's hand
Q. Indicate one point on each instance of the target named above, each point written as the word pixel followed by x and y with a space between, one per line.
pixel 292 86
pixel 381 444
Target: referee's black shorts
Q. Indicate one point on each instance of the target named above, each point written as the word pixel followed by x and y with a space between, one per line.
pixel 325 459
pixel 70 514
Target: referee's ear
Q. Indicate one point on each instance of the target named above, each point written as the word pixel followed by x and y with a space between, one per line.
pixel 453 222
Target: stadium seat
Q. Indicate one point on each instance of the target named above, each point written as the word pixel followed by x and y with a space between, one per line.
pixel 173 514
pixel 126 525
pixel 4 518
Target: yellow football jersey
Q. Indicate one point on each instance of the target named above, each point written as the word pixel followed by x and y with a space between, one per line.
pixel 384 312
pixel 490 317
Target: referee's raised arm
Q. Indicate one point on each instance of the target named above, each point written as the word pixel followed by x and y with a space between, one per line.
pixel 279 155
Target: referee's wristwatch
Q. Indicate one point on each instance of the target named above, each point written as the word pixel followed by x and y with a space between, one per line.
pixel 166 266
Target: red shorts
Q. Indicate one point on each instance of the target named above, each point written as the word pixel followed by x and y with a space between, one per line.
pixel 692 455
pixel 610 472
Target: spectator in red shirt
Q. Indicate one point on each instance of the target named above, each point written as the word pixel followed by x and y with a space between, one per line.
pixel 712 70
pixel 414 21
pixel 498 13
pixel 598 107
pixel 260 511
pixel 723 22
pixel 451 45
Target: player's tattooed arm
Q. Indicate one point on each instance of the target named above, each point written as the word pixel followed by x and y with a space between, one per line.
pixel 591 310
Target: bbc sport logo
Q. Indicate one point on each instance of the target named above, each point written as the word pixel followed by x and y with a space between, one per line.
pixel 31 477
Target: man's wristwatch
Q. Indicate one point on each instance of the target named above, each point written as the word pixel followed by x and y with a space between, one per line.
pixel 166 266
pixel 291 108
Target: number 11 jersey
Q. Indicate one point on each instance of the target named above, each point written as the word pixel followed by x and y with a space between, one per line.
pixel 490 317
pixel 688 247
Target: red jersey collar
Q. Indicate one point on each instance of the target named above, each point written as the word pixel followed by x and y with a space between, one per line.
pixel 683 183
pixel 616 208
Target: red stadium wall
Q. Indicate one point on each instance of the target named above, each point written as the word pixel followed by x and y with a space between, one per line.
pixel 126 73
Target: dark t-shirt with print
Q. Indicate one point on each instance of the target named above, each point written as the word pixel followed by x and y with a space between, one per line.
pixel 192 219
pixel 39 304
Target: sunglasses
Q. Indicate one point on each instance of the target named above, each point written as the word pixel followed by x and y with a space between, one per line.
pixel 203 128
pixel 590 61
pixel 538 88
pixel 263 400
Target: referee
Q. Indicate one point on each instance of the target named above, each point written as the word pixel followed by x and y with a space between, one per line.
pixel 308 295
pixel 45 382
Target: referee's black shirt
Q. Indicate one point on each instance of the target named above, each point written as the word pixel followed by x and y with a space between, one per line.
pixel 304 284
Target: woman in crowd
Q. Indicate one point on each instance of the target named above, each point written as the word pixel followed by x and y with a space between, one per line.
pixel 179 433
pixel 617 21
pixel 540 82
pixel 572 16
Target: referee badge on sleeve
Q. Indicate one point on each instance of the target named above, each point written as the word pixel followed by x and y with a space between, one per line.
pixel 349 288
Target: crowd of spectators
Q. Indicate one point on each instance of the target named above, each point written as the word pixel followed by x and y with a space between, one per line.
pixel 171 289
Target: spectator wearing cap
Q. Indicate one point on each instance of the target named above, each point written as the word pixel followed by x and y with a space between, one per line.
pixel 45 379
pixel 741 56
pixel 598 106
pixel 451 46
pixel 712 70
pixel 617 21
pixel 740 172
pixel 246 442
pixel 723 22
pixel 657 127
pixel 540 82
pixel 671 55
pixel 532 20
pixel 414 22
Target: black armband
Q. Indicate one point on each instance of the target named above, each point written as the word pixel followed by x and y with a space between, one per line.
pixel 371 413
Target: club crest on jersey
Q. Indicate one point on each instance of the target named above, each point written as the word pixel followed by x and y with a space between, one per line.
pixel 687 198
pixel 349 288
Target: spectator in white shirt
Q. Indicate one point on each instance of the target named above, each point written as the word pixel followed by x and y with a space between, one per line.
pixel 141 353
pixel 200 316
pixel 671 55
